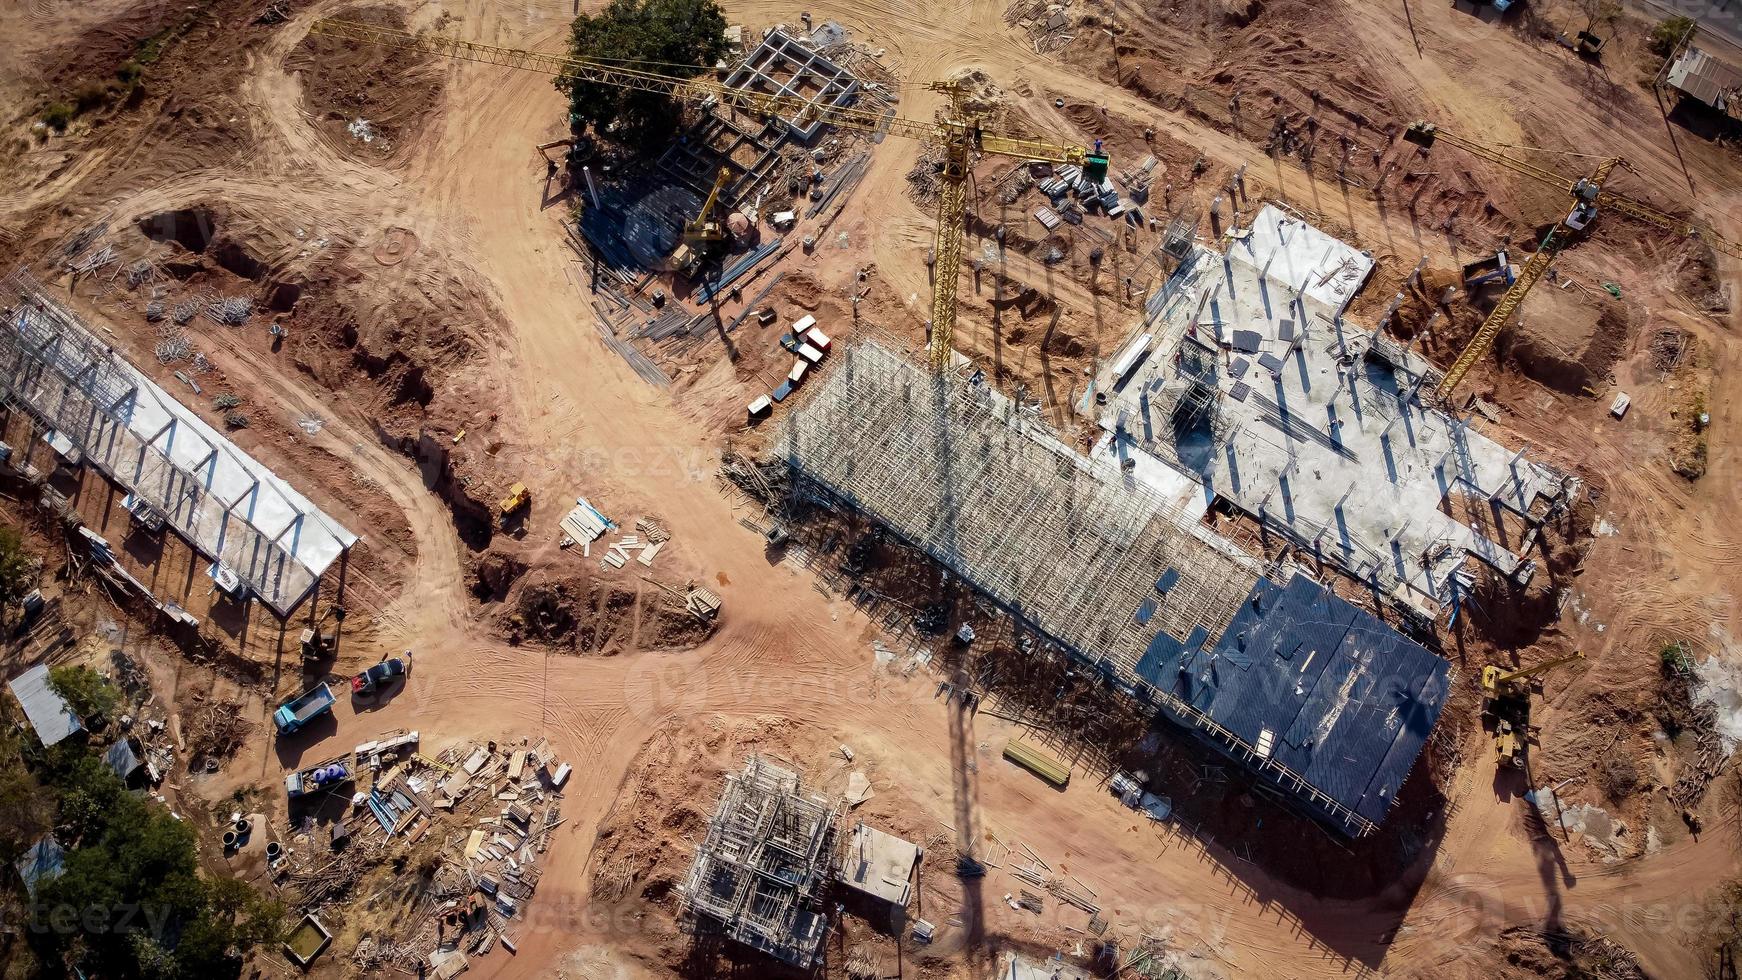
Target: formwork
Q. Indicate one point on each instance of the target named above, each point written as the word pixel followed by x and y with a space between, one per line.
pixel 759 874
pixel 786 66
pixel 95 408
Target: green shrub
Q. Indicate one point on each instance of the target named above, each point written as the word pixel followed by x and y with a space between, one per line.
pixel 1669 33
pixel 17 567
pixel 90 95
pixel 58 115
pixel 86 692
pixel 1675 659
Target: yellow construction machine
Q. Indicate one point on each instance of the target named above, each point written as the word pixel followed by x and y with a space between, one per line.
pixel 518 499
pixel 704 233
pixel 1506 701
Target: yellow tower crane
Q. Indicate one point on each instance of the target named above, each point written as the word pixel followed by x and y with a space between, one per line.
pixel 959 131
pixel 1589 194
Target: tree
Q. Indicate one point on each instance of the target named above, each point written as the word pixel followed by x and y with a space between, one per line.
pixel 671 37
pixel 17 567
pixel 85 690
pixel 134 859
pixel 26 809
pixel 1669 34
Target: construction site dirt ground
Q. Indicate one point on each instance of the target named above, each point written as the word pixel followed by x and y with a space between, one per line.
pixel 440 313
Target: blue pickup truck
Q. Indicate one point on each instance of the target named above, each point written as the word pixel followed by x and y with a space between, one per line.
pixel 304 708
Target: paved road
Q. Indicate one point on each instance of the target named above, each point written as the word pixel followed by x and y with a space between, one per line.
pixel 1722 18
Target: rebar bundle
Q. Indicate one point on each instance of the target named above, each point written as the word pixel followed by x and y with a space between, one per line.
pixel 172 349
pixel 231 311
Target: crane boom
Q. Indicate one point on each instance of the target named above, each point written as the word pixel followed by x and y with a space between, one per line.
pixel 1426 134
pixel 960 132
pixel 1589 195
pixel 1498 682
pixel 1502 313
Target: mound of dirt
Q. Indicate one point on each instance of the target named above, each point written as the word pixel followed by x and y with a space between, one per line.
pixel 1565 954
pixel 586 616
pixel 1540 351
pixel 1696 277
pixel 371 100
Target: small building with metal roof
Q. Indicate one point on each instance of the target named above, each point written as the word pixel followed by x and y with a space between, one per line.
pixel 49 715
pixel 43 862
pixel 1698 74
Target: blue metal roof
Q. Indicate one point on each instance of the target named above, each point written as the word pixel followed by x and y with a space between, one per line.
pixel 1348 700
pixel 42 863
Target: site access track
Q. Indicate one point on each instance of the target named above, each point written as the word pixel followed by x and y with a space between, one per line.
pixel 784 649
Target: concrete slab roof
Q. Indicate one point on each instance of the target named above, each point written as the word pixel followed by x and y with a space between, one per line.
pixel 1260 391
pixel 880 865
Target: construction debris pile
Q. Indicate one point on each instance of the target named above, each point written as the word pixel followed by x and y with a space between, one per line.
pixel 486 812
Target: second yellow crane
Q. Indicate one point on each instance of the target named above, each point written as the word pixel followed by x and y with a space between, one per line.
pixel 1588 195
pixel 959 131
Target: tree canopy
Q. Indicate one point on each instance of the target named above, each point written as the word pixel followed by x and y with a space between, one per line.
pixel 132 900
pixel 672 37
pixel 17 567
pixel 85 690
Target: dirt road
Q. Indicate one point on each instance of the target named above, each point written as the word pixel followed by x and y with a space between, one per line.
pixel 473 189
pixel 579 421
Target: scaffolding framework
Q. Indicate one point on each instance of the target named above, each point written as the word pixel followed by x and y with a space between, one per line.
pixel 1085 555
pixel 957 471
pixel 759 875
pixel 97 409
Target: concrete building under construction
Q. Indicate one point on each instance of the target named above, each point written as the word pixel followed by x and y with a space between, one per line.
pixel 759 875
pixel 1318 697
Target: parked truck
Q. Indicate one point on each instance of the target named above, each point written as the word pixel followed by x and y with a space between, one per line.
pixel 317 778
pixel 302 709
pixel 1132 794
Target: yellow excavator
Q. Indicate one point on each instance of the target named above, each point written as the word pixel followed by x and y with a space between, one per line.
pixel 704 233
pixel 1506 700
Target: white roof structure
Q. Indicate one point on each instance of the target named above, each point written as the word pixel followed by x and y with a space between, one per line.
pixel 228 506
pixel 880 865
pixel 49 715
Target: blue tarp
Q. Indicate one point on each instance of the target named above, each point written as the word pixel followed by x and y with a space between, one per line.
pixel 42 863
pixel 1348 700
